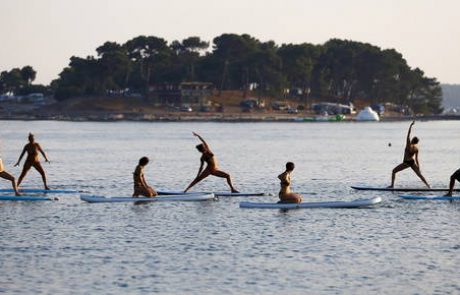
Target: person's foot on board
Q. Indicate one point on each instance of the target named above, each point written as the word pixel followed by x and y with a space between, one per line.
pixel 234 191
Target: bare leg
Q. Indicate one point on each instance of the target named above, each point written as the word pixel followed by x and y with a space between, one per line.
pixel 10 177
pixel 40 170
pixel 25 169
pixel 397 169
pixel 451 186
pixel 199 178
pixel 419 174
pixel 291 198
pixel 227 176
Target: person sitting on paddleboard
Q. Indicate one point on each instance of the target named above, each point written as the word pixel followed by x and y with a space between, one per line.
pixel 5 175
pixel 211 168
pixel 410 158
pixel 33 160
pixel 453 177
pixel 285 194
pixel 141 188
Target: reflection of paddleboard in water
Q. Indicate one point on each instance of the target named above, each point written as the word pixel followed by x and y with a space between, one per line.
pixel 430 198
pixel 329 204
pixel 24 198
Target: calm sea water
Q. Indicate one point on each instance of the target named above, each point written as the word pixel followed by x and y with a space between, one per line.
pixel 67 246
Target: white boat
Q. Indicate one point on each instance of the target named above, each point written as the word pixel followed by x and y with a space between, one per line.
pixel 367 114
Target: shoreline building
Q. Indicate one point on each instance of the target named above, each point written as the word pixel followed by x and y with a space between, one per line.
pixel 192 94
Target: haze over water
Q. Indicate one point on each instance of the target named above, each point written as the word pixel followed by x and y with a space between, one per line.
pixel 67 246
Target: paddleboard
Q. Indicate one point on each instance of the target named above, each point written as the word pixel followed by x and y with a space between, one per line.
pixel 329 204
pixel 429 198
pixel 400 189
pixel 217 194
pixel 41 191
pixel 169 198
pixel 23 198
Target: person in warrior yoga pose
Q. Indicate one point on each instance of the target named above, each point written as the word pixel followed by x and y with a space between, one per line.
pixel 211 168
pixel 410 159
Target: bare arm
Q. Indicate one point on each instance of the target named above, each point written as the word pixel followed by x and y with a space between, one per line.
pixel 42 152
pixel 20 157
pixel 408 134
pixel 202 140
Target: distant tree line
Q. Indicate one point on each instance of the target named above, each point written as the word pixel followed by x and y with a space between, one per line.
pixel 19 82
pixel 341 70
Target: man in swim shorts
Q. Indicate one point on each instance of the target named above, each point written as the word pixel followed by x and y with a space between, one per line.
pixel 453 178
pixel 141 188
pixel 410 158
pixel 33 160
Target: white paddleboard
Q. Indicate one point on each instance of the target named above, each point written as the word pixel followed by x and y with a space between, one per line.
pixel 329 204
pixel 169 198
pixel 428 198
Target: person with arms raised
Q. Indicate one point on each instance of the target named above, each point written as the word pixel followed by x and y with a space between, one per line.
pixel 410 159
pixel 211 168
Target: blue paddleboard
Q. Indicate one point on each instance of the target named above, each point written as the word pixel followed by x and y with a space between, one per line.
pixel 41 191
pixel 399 189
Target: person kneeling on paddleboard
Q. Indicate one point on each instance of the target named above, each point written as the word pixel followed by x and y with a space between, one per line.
pixel 211 168
pixel 410 159
pixel 453 177
pixel 141 188
pixel 286 196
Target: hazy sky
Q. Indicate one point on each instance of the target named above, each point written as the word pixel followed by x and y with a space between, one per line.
pixel 46 33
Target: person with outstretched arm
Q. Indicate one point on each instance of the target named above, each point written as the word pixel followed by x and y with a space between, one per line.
pixel 5 175
pixel 33 160
pixel 285 194
pixel 141 188
pixel 211 168
pixel 453 178
pixel 410 159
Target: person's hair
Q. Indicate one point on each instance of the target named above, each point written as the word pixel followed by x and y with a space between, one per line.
pixel 200 147
pixel 143 161
pixel 414 140
pixel 31 136
pixel 290 166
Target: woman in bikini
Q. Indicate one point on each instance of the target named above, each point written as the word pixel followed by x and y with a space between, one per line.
pixel 33 160
pixel 141 188
pixel 285 194
pixel 211 168
pixel 410 159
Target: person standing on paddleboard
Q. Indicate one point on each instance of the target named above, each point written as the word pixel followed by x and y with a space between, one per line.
pixel 410 158
pixel 211 168
pixel 285 194
pixel 33 160
pixel 141 188
pixel 453 177
pixel 5 175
